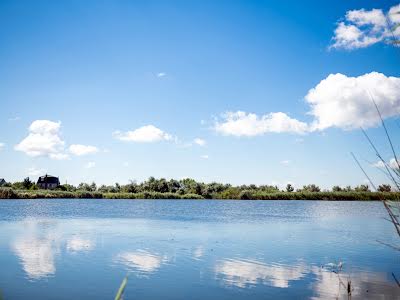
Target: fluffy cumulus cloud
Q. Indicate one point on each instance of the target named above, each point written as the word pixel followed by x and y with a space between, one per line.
pixel 338 101
pixel 249 124
pixel 80 150
pixel 362 28
pixel 345 102
pixel 144 134
pixel 44 139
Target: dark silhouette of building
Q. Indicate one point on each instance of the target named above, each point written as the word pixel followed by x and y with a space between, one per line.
pixel 2 182
pixel 48 182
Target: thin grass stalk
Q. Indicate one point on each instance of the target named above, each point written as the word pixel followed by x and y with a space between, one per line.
pixel 381 159
pixel 387 174
pixel 120 293
pixel 362 169
pixel 386 131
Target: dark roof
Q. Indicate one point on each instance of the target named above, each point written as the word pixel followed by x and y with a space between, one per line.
pixel 2 180
pixel 48 179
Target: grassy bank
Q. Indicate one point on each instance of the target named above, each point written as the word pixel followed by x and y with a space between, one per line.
pixel 7 193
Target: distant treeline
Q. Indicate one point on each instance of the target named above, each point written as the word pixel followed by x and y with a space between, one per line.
pixel 190 189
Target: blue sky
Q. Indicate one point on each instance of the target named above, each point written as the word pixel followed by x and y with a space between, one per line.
pixel 123 89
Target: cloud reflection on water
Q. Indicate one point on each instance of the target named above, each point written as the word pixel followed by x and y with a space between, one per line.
pixel 36 255
pixel 325 285
pixel 364 285
pixel 38 245
pixel 78 244
pixel 242 273
pixel 142 261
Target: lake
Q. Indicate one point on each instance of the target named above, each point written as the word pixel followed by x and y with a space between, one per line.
pixel 196 249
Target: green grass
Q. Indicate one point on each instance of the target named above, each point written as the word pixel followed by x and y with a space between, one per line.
pixel 8 193
pixel 120 292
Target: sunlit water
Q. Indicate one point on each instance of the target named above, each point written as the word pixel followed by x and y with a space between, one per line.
pixel 82 249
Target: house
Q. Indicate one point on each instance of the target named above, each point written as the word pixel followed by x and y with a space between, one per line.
pixel 2 182
pixel 48 182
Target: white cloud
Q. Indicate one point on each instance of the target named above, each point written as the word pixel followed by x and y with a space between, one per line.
pixel 200 142
pixel 337 101
pixel 35 172
pixel 161 74
pixel 204 156
pixel 44 139
pixel 285 162
pixel 362 28
pixel 59 156
pixel 2 146
pixel 144 134
pixel 394 14
pixel 90 165
pixel 391 164
pixel 345 102
pixel 375 17
pixel 80 150
pixel 249 124
pixel 14 118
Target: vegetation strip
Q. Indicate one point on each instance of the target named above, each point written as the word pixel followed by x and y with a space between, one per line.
pixel 7 193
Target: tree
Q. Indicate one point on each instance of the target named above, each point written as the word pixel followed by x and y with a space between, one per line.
pixel 311 188
pixel 289 188
pixel 337 188
pixel 84 187
pixel 384 188
pixel 93 187
pixel 27 183
pixel 362 188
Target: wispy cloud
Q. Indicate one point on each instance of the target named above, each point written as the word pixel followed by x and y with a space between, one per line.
pixel 161 74
pixel 80 150
pixel 33 171
pixel 90 165
pixel 205 156
pixel 391 164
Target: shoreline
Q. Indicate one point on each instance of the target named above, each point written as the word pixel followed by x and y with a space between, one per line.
pixel 7 193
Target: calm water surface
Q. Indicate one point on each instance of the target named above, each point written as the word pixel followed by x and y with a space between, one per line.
pixel 82 249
